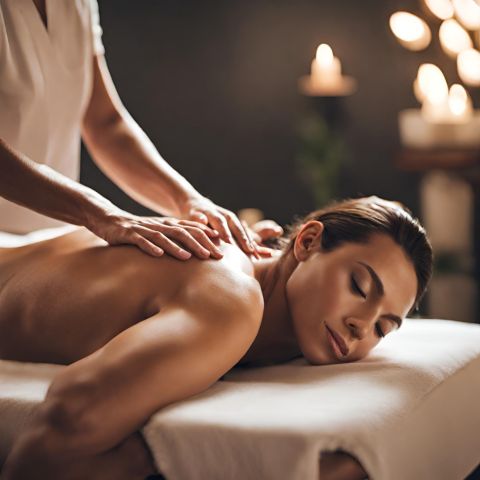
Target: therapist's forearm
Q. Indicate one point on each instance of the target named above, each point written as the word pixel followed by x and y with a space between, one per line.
pixel 125 153
pixel 40 188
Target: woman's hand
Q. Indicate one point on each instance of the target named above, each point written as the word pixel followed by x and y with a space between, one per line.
pixel 157 235
pixel 265 230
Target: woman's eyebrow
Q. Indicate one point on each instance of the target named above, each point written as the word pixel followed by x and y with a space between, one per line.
pixel 381 291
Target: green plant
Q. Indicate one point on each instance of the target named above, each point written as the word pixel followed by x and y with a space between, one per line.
pixel 320 158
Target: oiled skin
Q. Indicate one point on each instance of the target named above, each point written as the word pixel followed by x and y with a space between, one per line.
pixel 64 298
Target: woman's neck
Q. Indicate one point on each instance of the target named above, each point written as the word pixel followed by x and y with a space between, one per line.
pixel 276 341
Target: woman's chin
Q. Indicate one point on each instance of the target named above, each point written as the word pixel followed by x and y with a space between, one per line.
pixel 315 356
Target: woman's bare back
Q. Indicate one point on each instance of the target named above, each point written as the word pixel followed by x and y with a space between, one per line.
pixel 62 299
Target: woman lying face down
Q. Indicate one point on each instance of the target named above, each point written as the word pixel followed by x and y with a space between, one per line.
pixel 144 332
pixel 346 277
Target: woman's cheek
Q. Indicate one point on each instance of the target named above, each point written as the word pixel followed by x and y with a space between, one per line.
pixel 334 295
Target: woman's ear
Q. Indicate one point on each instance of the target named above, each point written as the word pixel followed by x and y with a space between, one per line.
pixel 308 241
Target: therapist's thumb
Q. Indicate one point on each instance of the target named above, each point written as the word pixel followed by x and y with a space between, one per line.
pixel 200 217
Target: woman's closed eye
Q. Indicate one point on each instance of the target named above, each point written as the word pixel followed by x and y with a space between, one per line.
pixel 356 288
pixel 379 330
pixel 358 291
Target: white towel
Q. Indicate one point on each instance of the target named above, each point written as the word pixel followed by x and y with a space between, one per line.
pixel 10 240
pixel 409 410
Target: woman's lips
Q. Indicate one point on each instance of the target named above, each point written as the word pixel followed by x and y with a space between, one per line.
pixel 337 342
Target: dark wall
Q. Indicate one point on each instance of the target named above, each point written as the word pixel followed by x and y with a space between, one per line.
pixel 214 84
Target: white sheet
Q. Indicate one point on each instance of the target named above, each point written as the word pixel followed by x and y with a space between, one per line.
pixel 9 240
pixel 409 410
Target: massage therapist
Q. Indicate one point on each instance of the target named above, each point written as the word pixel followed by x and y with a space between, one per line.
pixel 55 89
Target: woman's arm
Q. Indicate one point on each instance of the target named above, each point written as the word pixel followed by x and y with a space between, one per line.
pixel 97 402
pixel 125 153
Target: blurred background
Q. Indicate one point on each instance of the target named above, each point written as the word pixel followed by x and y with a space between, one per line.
pixel 215 85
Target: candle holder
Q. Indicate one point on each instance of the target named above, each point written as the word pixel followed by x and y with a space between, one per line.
pixel 326 86
pixel 447 118
pixel 322 150
pixel 417 132
pixel 326 79
pixel 344 87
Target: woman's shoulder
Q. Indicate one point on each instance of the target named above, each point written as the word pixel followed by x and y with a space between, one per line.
pixel 227 286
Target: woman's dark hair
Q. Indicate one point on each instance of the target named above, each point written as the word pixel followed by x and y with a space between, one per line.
pixel 355 220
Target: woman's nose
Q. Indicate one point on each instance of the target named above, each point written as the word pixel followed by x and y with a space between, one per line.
pixel 357 328
pixel 359 325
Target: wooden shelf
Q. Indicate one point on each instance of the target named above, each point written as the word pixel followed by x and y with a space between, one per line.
pixel 422 160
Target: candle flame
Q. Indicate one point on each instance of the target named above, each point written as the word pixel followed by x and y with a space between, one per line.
pixel 324 54
pixel 443 9
pixel 453 38
pixel 458 100
pixel 412 32
pixel 431 83
pixel 468 65
pixel 468 12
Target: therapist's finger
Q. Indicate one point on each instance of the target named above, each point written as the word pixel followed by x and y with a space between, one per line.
pixel 240 232
pixel 193 236
pixel 182 236
pixel 204 228
pixel 203 239
pixel 219 223
pixel 250 243
pixel 264 251
pixel 157 223
pixel 145 245
pixel 199 216
pixel 160 240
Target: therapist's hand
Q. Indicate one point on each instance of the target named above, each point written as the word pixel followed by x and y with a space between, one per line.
pixel 225 222
pixel 157 235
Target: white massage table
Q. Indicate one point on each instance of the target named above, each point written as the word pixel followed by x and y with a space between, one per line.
pixel 410 410
pixel 407 411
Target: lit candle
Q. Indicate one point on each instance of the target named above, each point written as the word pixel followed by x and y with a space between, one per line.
pixel 411 31
pixel 468 66
pixel 443 9
pixel 454 107
pixel 468 12
pixel 433 93
pixel 326 77
pixel 439 104
pixel 326 70
pixel 460 104
pixel 446 119
pixel 454 38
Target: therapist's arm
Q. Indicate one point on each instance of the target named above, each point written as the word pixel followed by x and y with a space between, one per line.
pixel 40 188
pixel 124 152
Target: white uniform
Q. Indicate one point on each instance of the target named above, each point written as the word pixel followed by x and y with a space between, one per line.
pixel 45 86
